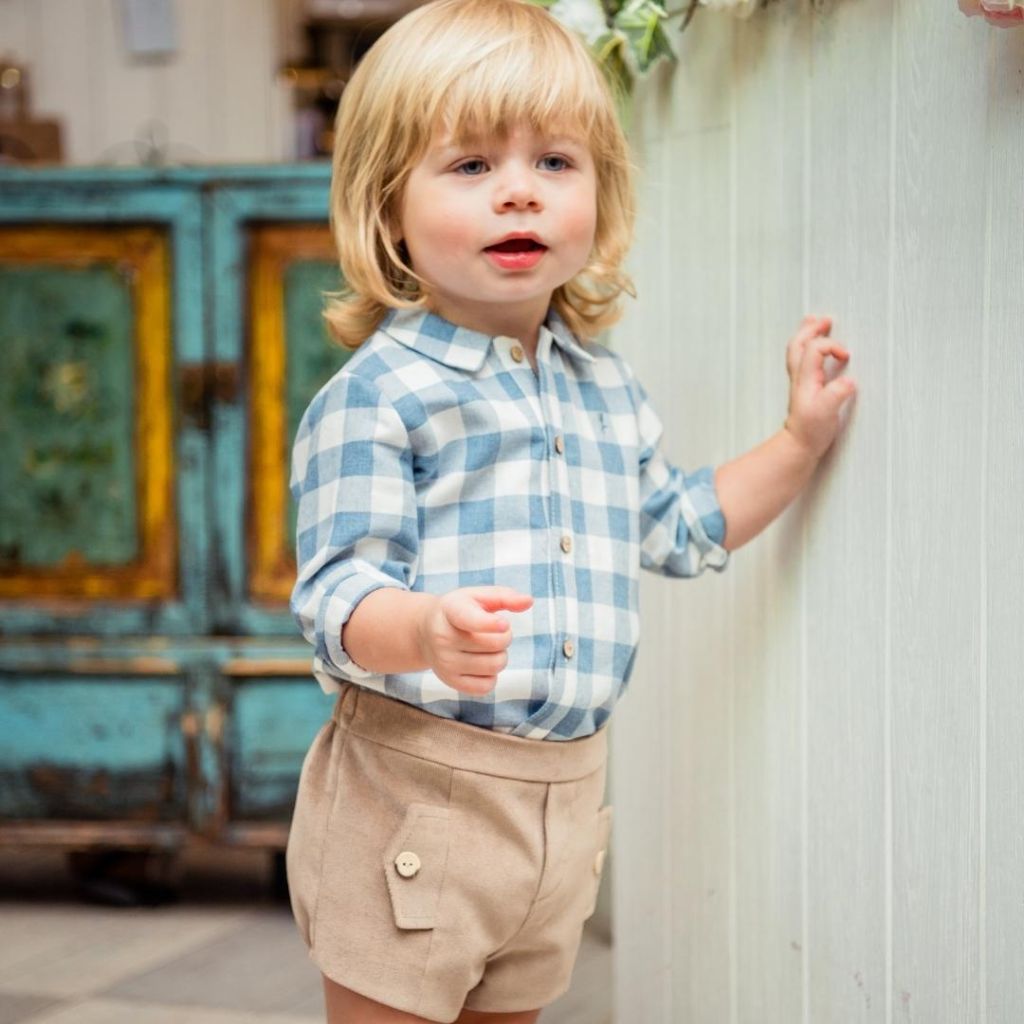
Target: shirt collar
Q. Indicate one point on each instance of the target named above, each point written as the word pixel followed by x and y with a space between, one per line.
pixel 462 347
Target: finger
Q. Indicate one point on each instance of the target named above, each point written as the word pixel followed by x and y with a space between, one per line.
pixel 814 365
pixel 468 617
pixel 489 664
pixel 494 599
pixel 810 328
pixel 469 608
pixel 840 389
pixel 484 643
pixel 475 684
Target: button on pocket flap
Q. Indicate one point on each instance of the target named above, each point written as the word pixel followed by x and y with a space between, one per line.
pixel 414 865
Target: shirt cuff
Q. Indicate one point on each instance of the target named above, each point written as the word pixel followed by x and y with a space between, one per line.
pixel 338 610
pixel 704 518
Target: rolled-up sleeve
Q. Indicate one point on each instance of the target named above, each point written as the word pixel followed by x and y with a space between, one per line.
pixel 681 521
pixel 352 481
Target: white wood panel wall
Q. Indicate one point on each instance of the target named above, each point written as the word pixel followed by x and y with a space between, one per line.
pixel 217 99
pixel 819 766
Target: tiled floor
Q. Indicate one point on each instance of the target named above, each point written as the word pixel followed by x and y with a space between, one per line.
pixel 225 952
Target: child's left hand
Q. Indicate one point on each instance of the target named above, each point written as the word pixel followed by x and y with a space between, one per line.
pixel 813 416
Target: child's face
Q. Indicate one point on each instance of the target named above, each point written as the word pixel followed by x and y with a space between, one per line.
pixel 460 201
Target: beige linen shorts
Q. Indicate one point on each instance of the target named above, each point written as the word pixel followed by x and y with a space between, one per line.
pixel 434 864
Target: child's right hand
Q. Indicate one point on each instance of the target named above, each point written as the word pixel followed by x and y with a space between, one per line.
pixel 463 641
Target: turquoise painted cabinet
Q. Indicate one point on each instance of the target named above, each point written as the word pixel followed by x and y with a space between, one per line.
pixel 160 334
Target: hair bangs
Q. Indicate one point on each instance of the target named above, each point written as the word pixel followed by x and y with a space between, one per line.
pixel 510 88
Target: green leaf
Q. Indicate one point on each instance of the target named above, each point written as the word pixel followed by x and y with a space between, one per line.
pixel 610 51
pixel 640 21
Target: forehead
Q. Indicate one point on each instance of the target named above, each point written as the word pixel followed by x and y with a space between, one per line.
pixel 444 139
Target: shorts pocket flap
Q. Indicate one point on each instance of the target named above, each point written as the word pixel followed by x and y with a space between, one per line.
pixel 414 865
pixel 602 835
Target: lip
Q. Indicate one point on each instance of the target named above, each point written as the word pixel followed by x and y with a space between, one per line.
pixel 516 234
pixel 524 260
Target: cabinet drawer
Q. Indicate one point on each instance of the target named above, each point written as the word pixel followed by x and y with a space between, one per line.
pixel 272 723
pixel 92 747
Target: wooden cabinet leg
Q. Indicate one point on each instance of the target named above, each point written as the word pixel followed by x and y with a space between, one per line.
pixel 125 877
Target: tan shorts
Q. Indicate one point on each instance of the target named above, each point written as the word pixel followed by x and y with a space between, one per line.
pixel 434 864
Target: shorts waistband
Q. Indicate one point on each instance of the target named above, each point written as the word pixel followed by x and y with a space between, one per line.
pixel 402 726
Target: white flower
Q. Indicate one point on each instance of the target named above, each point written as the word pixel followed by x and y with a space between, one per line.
pixel 741 8
pixel 583 16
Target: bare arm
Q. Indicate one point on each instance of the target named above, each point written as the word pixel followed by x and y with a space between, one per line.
pixel 756 487
pixel 383 632
pixel 458 635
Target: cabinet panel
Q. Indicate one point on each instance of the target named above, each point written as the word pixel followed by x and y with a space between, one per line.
pixel 272 723
pixel 103 529
pixel 272 257
pixel 92 748
pixel 86 457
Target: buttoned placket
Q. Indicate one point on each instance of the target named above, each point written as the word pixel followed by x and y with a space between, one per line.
pixel 561 560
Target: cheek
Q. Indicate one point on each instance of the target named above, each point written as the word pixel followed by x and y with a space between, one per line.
pixel 440 227
pixel 580 220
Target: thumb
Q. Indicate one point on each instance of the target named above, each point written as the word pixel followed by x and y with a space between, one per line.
pixel 840 389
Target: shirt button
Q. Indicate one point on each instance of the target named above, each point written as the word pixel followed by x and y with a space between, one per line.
pixel 517 353
pixel 407 863
pixel 559 444
pixel 568 649
pixel 567 544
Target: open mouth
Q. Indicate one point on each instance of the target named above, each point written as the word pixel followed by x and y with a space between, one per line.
pixel 516 245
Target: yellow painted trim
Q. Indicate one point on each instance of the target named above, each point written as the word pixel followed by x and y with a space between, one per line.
pixel 141 256
pixel 272 248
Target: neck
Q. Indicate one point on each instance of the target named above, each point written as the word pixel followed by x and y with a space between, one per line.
pixel 511 322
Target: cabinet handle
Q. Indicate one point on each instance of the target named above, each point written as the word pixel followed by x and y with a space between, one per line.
pixel 202 384
pixel 215 722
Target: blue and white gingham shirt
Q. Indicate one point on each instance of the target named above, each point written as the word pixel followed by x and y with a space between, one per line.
pixel 438 458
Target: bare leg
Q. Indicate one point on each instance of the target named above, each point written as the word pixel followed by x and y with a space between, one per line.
pixel 347 1007
pixel 479 1017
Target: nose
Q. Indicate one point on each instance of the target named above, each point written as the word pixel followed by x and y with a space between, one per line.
pixel 516 189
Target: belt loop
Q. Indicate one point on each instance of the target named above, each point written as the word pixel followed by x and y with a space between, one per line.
pixel 345 706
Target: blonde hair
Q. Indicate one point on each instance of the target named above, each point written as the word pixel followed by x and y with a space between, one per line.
pixel 470 67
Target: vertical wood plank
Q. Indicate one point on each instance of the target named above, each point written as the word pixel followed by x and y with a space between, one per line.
pixel 245 77
pixel 216 99
pixel 934 639
pixel 693 384
pixel 1002 708
pixel 639 785
pixel 127 112
pixel 189 85
pixel 771 76
pixel 696 679
pixel 64 70
pixel 848 279
pixel 15 34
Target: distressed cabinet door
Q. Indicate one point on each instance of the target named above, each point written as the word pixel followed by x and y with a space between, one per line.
pixel 161 332
pixel 94 749
pixel 272 258
pixel 102 472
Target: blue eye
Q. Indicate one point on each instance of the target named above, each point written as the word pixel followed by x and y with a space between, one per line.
pixel 555 156
pixel 470 163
